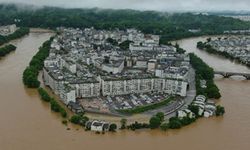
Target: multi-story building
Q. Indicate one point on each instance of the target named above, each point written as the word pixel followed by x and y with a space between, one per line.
pixel 67 94
pixel 87 89
pixel 129 86
pixel 53 78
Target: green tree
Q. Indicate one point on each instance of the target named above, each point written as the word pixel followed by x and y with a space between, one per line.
pixel 63 112
pixel 123 123
pixel 54 105
pixel 113 127
pixel 194 109
pixel 164 126
pixel 154 122
pixel 75 119
pixel 112 41
pixel 125 45
pixel 220 110
pixel 174 123
pixel 83 120
pixel 44 95
pixel 160 115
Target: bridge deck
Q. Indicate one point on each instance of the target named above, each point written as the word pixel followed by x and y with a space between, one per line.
pixel 228 74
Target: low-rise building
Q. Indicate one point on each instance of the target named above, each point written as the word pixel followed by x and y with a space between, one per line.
pixel 75 107
pixel 97 126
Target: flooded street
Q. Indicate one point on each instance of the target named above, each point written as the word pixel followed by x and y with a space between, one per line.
pixel 28 124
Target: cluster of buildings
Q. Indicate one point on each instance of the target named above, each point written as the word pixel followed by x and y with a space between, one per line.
pixel 206 108
pixel 241 17
pixel 83 63
pixel 185 113
pixel 6 30
pixel 243 32
pixel 236 46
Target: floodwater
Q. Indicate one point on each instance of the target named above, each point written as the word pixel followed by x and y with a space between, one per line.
pixel 26 123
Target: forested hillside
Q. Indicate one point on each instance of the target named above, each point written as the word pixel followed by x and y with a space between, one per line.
pixel 170 26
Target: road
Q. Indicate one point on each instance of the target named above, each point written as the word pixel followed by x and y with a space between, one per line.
pixel 170 110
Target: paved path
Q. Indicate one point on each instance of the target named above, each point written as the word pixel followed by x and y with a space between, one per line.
pixel 170 110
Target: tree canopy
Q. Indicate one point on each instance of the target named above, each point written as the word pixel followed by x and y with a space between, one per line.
pixel 170 26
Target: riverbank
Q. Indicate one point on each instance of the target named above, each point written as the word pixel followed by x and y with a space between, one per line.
pixel 16 35
pixel 205 46
pixel 41 30
pixel 6 50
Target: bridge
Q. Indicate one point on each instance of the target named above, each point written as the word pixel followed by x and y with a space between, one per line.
pixel 229 74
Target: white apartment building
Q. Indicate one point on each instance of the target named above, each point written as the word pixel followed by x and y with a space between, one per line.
pixel 134 47
pixel 84 90
pixel 129 86
pixel 71 66
pixel 53 79
pixel 113 68
pixel 67 94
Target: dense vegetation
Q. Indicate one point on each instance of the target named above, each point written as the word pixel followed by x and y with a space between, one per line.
pixel 220 110
pixel 157 121
pixel 79 119
pixel 179 49
pixel 136 125
pixel 44 95
pixel 112 127
pixel 7 49
pixel 54 105
pixel 125 45
pixel 170 26
pixel 140 109
pixel 204 72
pixel 30 74
pixel 123 123
pixel 17 34
pixel 176 123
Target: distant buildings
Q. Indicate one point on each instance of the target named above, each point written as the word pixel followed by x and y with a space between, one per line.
pixel 6 30
pixel 241 17
pixel 236 46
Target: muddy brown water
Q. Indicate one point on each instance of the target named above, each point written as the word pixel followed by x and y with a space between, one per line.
pixel 26 123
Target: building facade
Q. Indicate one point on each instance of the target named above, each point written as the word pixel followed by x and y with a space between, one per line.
pixel 130 86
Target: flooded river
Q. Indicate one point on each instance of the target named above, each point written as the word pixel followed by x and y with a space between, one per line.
pixel 26 123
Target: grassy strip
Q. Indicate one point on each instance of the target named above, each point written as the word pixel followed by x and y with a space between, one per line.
pixel 204 72
pixel 7 49
pixel 54 105
pixel 17 34
pixel 141 109
pixel 30 74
